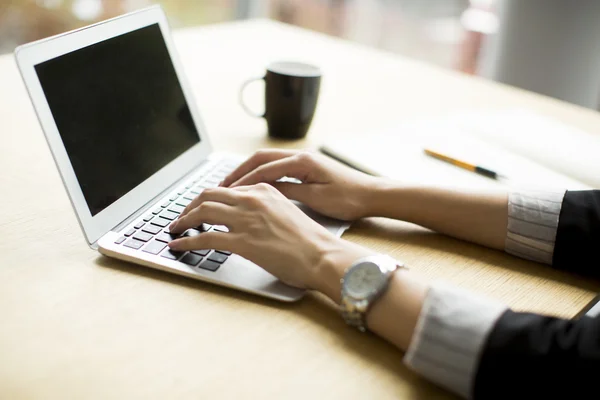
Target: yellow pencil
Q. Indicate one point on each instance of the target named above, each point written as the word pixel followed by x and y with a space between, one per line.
pixel 465 165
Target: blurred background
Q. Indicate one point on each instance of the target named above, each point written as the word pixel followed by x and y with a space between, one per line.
pixel 431 30
pixel 547 46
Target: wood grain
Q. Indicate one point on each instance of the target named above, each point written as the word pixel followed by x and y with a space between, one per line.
pixel 79 325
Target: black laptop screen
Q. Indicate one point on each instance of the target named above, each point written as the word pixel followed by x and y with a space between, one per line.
pixel 120 111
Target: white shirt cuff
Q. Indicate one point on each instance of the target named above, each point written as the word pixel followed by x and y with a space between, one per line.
pixel 532 224
pixel 450 336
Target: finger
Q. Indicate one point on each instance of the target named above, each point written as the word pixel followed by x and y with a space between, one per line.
pixel 291 167
pixel 208 212
pixel 220 195
pixel 246 188
pixel 208 240
pixel 259 158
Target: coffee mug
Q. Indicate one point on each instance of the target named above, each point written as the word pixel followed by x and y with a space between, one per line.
pixel 291 93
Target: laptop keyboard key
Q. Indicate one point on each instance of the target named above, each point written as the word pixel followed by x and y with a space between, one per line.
pixel 154 247
pixel 171 255
pixel 148 217
pixel 191 233
pixel 227 253
pixel 173 198
pixel 204 227
pixel 202 253
pixel 129 232
pixel 217 257
pixel 139 225
pixel 183 202
pixel 221 228
pixel 157 211
pixel 165 204
pixel 189 196
pixel 165 237
pixel 152 229
pixel 170 215
pixel 191 259
pixel 210 265
pixel 176 208
pixel 143 236
pixel 120 240
pixel 134 244
pixel 162 222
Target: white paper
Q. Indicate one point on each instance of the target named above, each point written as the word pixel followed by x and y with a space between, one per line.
pixel 398 153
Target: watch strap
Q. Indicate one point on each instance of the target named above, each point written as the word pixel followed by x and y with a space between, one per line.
pixel 354 313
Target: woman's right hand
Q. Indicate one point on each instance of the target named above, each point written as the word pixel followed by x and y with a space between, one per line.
pixel 327 186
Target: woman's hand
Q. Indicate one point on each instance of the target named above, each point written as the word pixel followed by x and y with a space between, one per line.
pixel 327 187
pixel 269 230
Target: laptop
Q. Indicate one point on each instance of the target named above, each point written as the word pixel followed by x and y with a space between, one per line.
pixel 122 125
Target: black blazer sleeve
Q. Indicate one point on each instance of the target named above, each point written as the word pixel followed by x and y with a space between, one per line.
pixel 577 245
pixel 533 355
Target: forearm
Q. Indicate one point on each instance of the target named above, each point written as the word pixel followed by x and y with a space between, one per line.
pixel 442 329
pixel 394 316
pixel 464 342
pixel 476 216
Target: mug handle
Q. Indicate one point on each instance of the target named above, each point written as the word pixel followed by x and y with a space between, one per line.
pixel 244 106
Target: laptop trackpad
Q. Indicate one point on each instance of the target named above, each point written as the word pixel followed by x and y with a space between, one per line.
pixel 335 226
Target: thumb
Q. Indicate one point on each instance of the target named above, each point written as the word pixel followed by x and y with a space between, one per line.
pixel 207 240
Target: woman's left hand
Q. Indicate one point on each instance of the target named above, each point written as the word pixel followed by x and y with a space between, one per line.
pixel 271 231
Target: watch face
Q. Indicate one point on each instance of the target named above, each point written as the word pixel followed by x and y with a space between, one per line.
pixel 363 280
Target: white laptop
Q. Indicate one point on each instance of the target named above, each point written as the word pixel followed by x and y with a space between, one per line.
pixel 127 138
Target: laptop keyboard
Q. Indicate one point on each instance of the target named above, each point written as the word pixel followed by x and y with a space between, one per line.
pixel 151 234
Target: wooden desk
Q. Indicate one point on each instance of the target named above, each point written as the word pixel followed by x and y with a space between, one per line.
pixel 77 325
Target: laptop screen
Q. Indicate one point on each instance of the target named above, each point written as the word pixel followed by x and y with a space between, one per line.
pixel 120 111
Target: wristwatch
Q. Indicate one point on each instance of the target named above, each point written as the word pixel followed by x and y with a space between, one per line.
pixel 363 283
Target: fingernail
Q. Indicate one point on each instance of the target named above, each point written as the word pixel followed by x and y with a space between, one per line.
pixel 173 225
pixel 174 245
pixel 221 183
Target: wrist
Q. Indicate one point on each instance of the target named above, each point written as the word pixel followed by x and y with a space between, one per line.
pixel 390 199
pixel 378 195
pixel 336 255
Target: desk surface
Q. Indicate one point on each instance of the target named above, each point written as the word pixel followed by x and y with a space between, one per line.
pixel 77 325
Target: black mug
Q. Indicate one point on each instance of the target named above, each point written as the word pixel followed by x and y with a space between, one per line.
pixel 291 94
